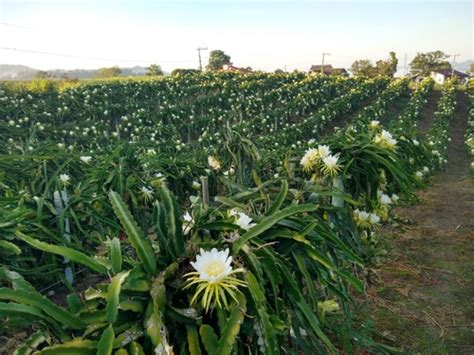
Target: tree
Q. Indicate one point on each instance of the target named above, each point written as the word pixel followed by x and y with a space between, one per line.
pixel 387 67
pixel 154 70
pixel 217 59
pixel 424 63
pixel 363 68
pixel 279 71
pixel 109 72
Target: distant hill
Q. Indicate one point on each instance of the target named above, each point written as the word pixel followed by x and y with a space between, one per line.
pixel 11 71
pixel 23 72
pixel 464 66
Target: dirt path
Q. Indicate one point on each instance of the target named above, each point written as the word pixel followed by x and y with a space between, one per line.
pixel 426 120
pixel 422 300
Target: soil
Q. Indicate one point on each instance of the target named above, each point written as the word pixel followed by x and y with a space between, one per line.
pixel 422 297
pixel 426 118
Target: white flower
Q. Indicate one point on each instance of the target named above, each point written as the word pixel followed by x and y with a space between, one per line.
pixel 385 199
pixel 188 223
pixel 309 158
pixel 330 165
pixel 426 169
pixel 416 143
pixel 361 216
pixel 374 124
pixel 385 140
pixel 86 159
pixel 196 185
pixel 64 179
pixel 243 220
pixel 214 265
pixel 395 198
pixel 323 151
pixel 213 162
pixel 374 219
pixel 146 193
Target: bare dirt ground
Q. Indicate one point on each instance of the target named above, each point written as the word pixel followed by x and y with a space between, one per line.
pixel 422 300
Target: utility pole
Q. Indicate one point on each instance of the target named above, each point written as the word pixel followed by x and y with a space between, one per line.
pixel 405 65
pixel 454 63
pixel 322 62
pixel 199 49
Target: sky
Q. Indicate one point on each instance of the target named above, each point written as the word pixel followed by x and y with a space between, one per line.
pixel 264 35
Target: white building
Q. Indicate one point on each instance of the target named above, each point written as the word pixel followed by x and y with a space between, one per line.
pixel 441 76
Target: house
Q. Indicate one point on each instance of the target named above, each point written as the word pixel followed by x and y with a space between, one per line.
pixel 230 67
pixel 440 76
pixel 327 69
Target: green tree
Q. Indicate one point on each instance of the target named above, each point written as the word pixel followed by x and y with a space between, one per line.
pixel 424 63
pixel 217 59
pixel 387 67
pixel 109 72
pixel 154 70
pixel 363 68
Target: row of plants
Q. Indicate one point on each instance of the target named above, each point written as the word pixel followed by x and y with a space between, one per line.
pixel 470 128
pixel 265 268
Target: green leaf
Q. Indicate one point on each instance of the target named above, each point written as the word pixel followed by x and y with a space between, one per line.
pixel 35 299
pixel 76 346
pixel 193 341
pixel 209 338
pixel 260 301
pixel 106 342
pixel 280 199
pixel 9 247
pixel 140 243
pixel 30 313
pixel 173 220
pixel 66 252
pixel 315 325
pixel 268 222
pixel 113 296
pixel 136 349
pixel 232 328
pixel 115 254
pixel 31 343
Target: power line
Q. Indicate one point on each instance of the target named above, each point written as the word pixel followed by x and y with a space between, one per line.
pixel 86 57
pixel 17 26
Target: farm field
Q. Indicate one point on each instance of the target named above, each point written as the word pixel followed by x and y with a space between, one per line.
pixel 234 213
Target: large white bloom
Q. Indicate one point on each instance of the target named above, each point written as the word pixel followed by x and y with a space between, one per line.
pixel 214 265
pixel 385 139
pixel 64 179
pixel 86 159
pixel 374 219
pixel 331 165
pixel 385 199
pixel 374 124
pixel 323 151
pixel 309 158
pixel 243 220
